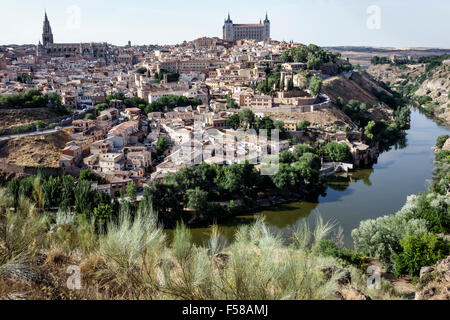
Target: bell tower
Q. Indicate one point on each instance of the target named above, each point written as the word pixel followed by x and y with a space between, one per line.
pixel 47 35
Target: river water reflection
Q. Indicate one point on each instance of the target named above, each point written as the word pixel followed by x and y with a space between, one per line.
pixel 359 195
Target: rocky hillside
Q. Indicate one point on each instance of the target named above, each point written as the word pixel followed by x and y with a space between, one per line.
pixel 435 281
pixel 427 84
pixel 358 85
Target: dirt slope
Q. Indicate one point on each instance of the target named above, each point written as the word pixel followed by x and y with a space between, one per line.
pixel 35 151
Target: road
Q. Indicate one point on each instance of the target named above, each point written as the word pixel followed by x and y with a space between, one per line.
pixel 34 133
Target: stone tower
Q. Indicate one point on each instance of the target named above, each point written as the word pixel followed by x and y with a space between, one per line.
pixel 228 34
pixel 47 35
pixel 267 28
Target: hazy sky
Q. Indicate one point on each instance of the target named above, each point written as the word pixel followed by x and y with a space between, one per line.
pixel 398 23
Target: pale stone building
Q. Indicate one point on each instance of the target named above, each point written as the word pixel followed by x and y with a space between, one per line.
pixel 258 32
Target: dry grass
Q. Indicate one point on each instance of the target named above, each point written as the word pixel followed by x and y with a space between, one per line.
pixel 326 117
pixel 35 150
pixel 133 260
pixel 11 118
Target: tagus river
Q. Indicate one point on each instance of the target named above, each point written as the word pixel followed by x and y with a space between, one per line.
pixel 359 195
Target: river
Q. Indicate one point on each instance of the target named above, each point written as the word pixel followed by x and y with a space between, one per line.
pixel 362 194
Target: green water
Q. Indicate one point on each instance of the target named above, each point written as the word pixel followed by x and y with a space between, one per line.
pixel 360 195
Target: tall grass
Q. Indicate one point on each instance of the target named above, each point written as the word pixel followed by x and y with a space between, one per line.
pixel 132 259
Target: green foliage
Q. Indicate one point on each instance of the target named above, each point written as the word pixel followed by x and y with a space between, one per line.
pixel 303 124
pixel 301 149
pixel 83 198
pixel 40 124
pixel 171 76
pixel 197 199
pixel 234 121
pixel 22 128
pixel 141 70
pixel 312 55
pixel 330 249
pixel 88 175
pixel 381 238
pixel 162 145
pixel 380 60
pixel 170 102
pixel 338 152
pixel 286 157
pixel 419 251
pixel 231 104
pixel 315 86
pixel 441 140
pixel 247 118
pixel 103 213
pixel 30 98
pixel 434 209
pixel 131 192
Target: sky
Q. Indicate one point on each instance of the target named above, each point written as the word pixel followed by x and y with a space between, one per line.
pixel 383 23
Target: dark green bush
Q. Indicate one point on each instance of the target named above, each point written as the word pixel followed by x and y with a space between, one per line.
pixel 419 251
pixel 441 140
pixel 329 249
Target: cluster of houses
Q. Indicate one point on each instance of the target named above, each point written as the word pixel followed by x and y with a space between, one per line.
pixel 120 143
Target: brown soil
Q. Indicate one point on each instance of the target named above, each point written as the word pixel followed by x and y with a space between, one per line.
pixel 35 150
pixel 10 118
pixel 346 89
pixel 322 117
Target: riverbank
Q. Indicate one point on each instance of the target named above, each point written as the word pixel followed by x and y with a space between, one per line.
pixel 363 194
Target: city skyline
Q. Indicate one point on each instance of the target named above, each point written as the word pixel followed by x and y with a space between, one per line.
pixel 323 22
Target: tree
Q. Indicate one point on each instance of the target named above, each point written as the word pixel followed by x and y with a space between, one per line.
pixel 234 121
pixel 162 199
pixel 285 177
pixel 231 104
pixel 52 192
pixel 338 152
pixel 102 213
pixel 301 149
pixel 88 175
pixel 131 192
pixel 14 190
pixel 141 70
pixel 369 130
pixel 279 125
pixel 100 107
pixel 303 124
pixel 197 199
pixel 247 118
pixel 286 157
pixel 83 197
pixel 315 86
pixel 162 145
pixel 312 160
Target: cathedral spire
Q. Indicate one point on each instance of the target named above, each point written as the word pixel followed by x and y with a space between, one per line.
pixel 47 35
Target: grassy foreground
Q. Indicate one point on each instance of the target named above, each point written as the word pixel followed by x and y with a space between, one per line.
pixel 132 259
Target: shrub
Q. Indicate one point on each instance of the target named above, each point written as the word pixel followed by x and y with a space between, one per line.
pixel 40 124
pixel 338 152
pixel 419 251
pixel 380 238
pixel 441 141
pixel 329 248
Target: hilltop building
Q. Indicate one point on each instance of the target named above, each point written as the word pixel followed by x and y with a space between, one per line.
pixel 67 50
pixel 234 32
